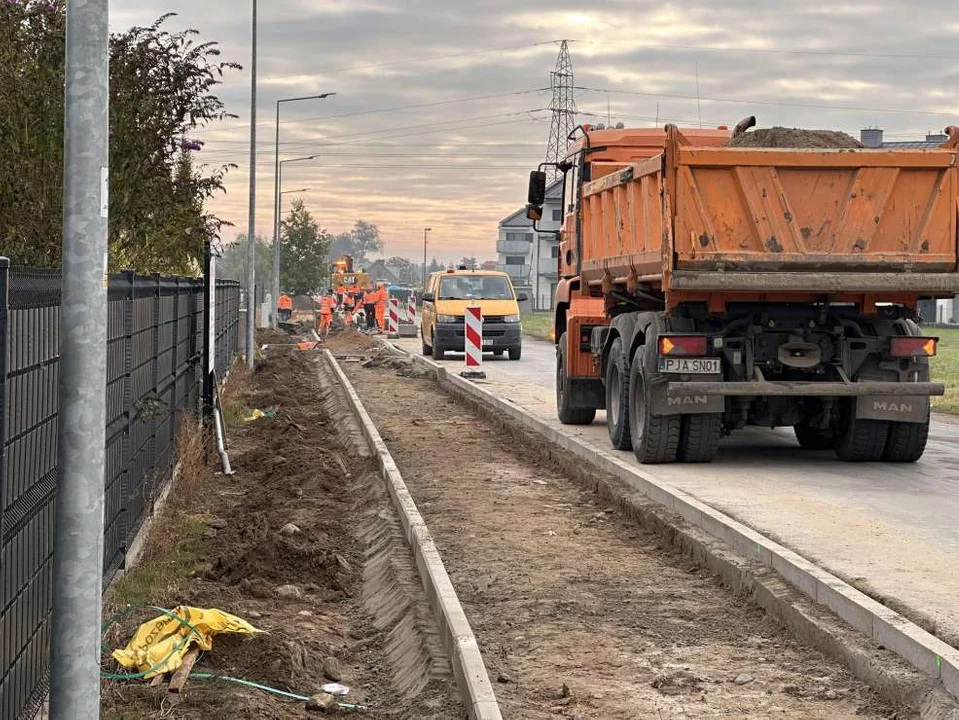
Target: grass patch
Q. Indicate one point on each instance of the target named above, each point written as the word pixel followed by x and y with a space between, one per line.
pixel 538 325
pixel 945 369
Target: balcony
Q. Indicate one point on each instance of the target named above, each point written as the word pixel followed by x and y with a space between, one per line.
pixel 548 266
pixel 515 271
pixel 513 247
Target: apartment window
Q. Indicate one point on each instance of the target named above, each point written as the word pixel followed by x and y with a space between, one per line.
pixel 558 215
pixel 515 259
pixel 554 251
pixel 517 237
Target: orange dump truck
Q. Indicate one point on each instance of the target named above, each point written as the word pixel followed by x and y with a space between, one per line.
pixel 706 287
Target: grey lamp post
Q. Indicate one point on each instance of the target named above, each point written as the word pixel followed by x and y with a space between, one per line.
pixel 276 198
pixel 425 230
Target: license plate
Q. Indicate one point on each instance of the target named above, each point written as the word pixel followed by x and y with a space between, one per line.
pixel 689 366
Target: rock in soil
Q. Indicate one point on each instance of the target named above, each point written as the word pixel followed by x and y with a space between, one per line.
pixel 289 592
pixel 743 679
pixel 321 703
pixel 332 669
pixel 218 523
pixel 289 529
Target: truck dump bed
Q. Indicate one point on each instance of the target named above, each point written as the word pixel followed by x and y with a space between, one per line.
pixel 722 219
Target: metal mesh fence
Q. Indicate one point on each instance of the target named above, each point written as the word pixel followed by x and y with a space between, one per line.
pixel 154 361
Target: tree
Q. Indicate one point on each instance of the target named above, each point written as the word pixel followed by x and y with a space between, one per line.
pixel 359 243
pixel 469 262
pixel 406 271
pixel 160 92
pixel 304 250
pixel 434 265
pixel 232 264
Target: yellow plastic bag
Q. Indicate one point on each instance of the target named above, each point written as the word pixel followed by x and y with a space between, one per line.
pixel 158 646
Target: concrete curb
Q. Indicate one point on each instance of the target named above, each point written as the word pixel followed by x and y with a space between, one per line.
pixel 464 653
pixel 883 626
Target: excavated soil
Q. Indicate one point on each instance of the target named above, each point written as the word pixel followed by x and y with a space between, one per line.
pixel 579 612
pixel 355 594
pixel 781 137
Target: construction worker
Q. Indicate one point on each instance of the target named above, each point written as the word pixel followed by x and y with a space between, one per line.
pixel 340 293
pixel 348 302
pixel 284 307
pixel 369 306
pixel 382 298
pixel 327 304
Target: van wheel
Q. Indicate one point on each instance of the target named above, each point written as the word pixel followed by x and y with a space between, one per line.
pixel 699 437
pixel 568 415
pixel 426 349
pixel 862 440
pixel 617 397
pixel 655 437
pixel 438 352
pixel 515 353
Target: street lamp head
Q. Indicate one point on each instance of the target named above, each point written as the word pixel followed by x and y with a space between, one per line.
pixel 427 229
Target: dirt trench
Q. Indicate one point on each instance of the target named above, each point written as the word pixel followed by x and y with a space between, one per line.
pixel 341 584
pixel 579 612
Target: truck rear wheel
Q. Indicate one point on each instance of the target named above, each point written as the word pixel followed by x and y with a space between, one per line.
pixel 813 438
pixel 617 397
pixel 655 437
pixel 906 442
pixel 568 415
pixel 861 440
pixel 699 437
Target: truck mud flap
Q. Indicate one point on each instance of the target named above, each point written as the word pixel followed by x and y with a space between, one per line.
pixel 586 393
pixel 686 403
pixel 897 408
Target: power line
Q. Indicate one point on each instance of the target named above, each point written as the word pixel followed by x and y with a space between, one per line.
pixel 815 106
pixel 779 51
pixel 434 57
pixel 398 108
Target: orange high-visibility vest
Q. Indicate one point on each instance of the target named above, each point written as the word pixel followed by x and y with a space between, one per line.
pixel 285 303
pixel 326 305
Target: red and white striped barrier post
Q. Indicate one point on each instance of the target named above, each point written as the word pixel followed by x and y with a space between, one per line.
pixel 411 308
pixel 393 322
pixel 474 343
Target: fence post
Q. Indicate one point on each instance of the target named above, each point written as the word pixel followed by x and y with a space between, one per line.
pixel 4 317
pixel 209 337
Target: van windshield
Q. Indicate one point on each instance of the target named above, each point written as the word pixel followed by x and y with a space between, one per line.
pixel 475 287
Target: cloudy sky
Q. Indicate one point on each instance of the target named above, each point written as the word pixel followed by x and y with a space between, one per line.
pixel 440 109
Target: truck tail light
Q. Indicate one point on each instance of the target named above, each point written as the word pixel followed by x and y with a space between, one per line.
pixel 903 347
pixel 682 345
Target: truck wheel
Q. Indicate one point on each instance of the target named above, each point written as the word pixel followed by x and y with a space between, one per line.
pixel 568 415
pixel 655 437
pixel 699 437
pixel 906 442
pixel 438 352
pixel 516 353
pixel 861 440
pixel 813 438
pixel 617 397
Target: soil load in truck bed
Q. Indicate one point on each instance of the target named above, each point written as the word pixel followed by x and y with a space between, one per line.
pixel 782 137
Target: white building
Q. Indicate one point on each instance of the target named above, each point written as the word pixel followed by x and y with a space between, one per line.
pixel 532 258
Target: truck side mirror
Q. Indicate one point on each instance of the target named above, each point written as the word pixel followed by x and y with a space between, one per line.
pixel 534 212
pixel 428 297
pixel 537 188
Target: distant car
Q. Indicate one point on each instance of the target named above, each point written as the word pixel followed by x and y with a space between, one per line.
pixel 450 292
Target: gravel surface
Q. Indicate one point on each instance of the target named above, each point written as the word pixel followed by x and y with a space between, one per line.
pixel 580 613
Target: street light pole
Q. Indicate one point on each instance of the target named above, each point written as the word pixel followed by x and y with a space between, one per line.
pixel 276 200
pixel 251 226
pixel 425 230
pixel 78 531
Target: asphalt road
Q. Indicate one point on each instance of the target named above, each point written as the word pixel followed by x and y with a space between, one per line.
pixel 890 530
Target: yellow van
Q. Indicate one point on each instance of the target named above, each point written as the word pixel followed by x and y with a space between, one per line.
pixel 450 292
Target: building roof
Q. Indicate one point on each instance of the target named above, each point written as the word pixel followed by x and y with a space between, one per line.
pixel 555 190
pixel 517 219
